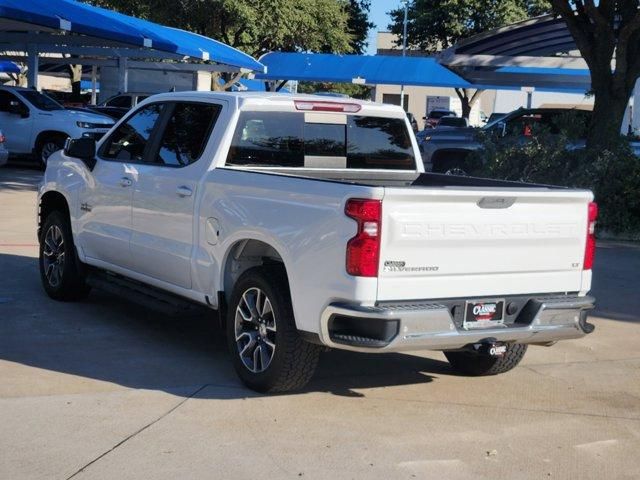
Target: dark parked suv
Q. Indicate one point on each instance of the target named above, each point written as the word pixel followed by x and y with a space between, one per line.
pixel 445 150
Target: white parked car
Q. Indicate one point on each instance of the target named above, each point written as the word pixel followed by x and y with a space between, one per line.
pixel 35 124
pixel 310 223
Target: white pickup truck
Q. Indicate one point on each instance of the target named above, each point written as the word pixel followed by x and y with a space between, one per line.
pixel 310 223
pixel 36 125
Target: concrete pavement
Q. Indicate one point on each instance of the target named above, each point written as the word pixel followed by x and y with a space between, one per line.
pixel 106 389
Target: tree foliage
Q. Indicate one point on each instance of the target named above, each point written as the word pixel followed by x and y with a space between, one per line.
pixel 355 91
pixel 608 37
pixel 434 25
pixel 261 26
pixel 359 24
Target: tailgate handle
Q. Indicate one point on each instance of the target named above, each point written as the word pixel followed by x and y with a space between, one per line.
pixel 496 202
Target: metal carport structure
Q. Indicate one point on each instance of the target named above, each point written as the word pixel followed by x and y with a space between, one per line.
pixel 539 52
pixel 359 69
pixel 416 71
pixel 98 37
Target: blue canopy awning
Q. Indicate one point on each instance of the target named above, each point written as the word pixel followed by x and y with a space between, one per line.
pixel 8 67
pixel 88 85
pixel 80 18
pixel 376 69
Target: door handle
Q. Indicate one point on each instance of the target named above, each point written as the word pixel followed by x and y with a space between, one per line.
pixel 125 182
pixel 184 191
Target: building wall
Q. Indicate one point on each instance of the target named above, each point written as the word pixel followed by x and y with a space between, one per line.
pixel 509 100
pixel 417 100
pixel 152 81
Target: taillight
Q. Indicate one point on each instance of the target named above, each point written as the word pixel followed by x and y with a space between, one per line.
pixel 363 250
pixel 590 249
pixel 2 139
pixel 322 106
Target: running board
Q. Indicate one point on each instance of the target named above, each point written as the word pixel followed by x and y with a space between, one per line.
pixel 144 295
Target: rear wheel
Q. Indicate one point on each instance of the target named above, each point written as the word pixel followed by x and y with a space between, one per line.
pixel 60 271
pixel 266 349
pixel 477 364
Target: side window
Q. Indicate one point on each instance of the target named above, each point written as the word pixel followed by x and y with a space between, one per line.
pixel 123 101
pixel 129 141
pixel 186 133
pixel 268 139
pixel 379 143
pixel 5 99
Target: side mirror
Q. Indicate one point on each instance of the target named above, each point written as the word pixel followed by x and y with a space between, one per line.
pixel 17 108
pixel 82 148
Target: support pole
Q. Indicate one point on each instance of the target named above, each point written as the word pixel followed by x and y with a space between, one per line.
pixel 94 84
pixel 123 75
pixel 404 47
pixel 635 118
pixel 32 66
pixel 529 91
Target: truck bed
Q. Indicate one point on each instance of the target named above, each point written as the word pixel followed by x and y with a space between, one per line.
pixel 398 178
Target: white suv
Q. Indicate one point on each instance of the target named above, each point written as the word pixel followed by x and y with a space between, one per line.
pixel 36 124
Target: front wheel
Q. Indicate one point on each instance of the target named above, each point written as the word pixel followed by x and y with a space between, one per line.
pixel 266 349
pixel 48 147
pixel 60 271
pixel 477 364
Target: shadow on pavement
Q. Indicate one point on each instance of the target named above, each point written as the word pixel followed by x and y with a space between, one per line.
pixel 19 178
pixel 109 339
pixel 616 282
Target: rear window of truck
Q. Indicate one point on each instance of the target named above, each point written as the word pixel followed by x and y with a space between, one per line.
pixel 285 140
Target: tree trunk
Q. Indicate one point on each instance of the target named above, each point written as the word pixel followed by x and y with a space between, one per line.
pixel 606 121
pixel 467 102
pixel 610 104
pixel 466 107
pixel 75 75
pixel 229 80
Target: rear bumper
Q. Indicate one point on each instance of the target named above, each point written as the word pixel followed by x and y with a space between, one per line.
pixel 430 326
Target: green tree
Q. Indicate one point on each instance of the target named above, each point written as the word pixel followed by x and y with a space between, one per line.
pixel 359 24
pixel 355 91
pixel 608 36
pixel 260 26
pixel 434 25
pixel 254 26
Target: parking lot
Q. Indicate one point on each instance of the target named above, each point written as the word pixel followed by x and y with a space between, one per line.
pixel 107 389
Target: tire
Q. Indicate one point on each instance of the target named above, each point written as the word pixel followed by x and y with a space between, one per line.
pixel 476 365
pixel 60 269
pixel 48 146
pixel 285 361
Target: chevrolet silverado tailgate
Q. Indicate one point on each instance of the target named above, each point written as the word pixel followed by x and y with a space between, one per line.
pixel 465 242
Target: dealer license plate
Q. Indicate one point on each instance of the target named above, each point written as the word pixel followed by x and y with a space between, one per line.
pixel 483 313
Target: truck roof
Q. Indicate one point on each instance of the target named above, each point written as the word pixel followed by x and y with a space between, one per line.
pixel 275 100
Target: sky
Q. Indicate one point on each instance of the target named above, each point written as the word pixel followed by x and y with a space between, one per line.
pixel 378 15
